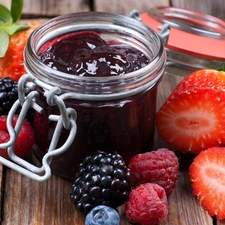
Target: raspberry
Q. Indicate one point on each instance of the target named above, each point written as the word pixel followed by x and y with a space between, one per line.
pixel 147 204
pixel 102 179
pixel 159 167
pixel 8 94
pixel 24 141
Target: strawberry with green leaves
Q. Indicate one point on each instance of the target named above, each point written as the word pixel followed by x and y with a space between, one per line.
pixel 193 117
pixel 13 36
pixel 207 173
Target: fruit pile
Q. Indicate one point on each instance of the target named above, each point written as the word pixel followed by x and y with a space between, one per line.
pixel 13 37
pixel 192 120
pixel 104 182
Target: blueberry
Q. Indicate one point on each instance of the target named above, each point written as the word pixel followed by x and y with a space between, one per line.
pixel 102 215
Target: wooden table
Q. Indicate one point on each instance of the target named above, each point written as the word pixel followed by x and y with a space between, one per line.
pixel 27 202
pixel 50 8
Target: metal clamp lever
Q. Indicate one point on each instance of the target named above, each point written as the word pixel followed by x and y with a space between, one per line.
pixel 165 29
pixel 66 120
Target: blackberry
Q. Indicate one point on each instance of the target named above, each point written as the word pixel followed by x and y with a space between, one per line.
pixel 8 94
pixel 102 179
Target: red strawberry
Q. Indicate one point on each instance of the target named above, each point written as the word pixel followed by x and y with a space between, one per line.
pixel 13 37
pixel 147 204
pixel 24 141
pixel 193 117
pixel 207 174
pixel 160 167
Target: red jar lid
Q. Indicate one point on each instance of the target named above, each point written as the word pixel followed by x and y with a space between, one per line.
pixel 191 33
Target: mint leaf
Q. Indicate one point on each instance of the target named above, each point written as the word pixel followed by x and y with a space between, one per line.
pixel 15 27
pixel 4 37
pixel 5 14
pixel 16 9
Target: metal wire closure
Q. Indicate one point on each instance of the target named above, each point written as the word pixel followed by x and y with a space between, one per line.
pixel 66 119
pixel 165 29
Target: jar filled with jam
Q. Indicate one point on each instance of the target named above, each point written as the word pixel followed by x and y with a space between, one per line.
pixel 107 68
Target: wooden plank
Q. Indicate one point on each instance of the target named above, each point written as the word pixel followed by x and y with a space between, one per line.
pixel 54 8
pixel 221 222
pixel 27 202
pixel 6 3
pixel 125 6
pixel 183 205
pixel 2 184
pixel 211 7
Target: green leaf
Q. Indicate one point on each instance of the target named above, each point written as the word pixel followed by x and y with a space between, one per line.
pixel 5 14
pixel 16 9
pixel 222 68
pixel 1 23
pixel 4 37
pixel 15 27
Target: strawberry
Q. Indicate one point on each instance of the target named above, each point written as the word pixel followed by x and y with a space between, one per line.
pixel 13 37
pixel 25 139
pixel 207 173
pixel 193 118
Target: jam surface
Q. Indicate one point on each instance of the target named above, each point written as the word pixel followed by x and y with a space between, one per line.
pixel 87 54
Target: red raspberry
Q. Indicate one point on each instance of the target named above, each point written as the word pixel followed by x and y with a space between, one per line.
pixel 159 167
pixel 147 204
pixel 25 139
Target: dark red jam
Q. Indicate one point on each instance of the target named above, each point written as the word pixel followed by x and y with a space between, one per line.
pixel 125 125
pixel 87 54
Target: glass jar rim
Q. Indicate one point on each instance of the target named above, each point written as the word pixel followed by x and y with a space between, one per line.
pixel 103 21
pixel 190 31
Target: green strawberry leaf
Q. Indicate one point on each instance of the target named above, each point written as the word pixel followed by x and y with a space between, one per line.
pixel 5 14
pixel 16 9
pixel 4 37
pixel 222 68
pixel 1 23
pixel 15 27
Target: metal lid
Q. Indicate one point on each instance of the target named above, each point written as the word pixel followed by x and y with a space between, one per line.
pixel 191 32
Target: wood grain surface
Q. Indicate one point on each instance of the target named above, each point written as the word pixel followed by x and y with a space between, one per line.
pixel 212 7
pixel 52 8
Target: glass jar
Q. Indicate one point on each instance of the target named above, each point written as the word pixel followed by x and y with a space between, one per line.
pixel 196 41
pixel 114 113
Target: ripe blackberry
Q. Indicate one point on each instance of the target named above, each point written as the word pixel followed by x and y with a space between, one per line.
pixel 102 179
pixel 8 94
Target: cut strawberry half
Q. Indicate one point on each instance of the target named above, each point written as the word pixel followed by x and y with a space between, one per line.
pixel 207 174
pixel 193 117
